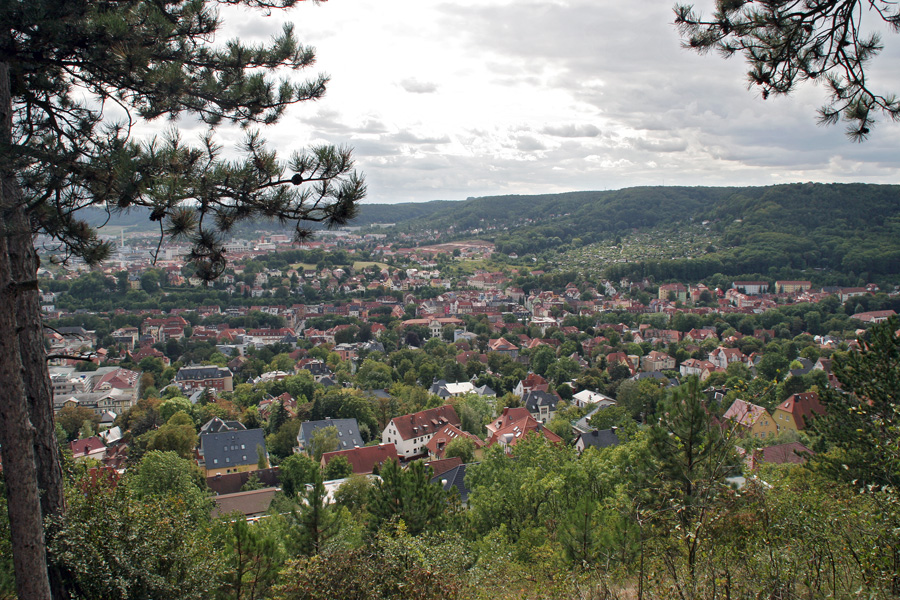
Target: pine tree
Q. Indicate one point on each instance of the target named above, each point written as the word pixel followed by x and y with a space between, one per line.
pixel 862 420
pixel 64 66
pixel 693 457
pixel 408 495
pixel 316 521
pixel 791 41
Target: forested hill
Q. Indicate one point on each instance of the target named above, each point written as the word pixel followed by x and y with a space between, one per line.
pixel 847 228
pixel 791 208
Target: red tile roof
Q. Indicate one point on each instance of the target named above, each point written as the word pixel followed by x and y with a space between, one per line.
pixel 446 434
pixel 363 460
pixel 86 446
pixel 802 407
pixel 514 430
pixel 439 467
pixel 425 422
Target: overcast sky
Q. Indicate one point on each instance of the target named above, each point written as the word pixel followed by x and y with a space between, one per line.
pixel 446 100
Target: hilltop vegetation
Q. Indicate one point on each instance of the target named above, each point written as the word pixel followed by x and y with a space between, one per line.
pixel 849 229
pixel 846 230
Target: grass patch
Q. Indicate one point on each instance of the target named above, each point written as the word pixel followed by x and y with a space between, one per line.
pixel 362 264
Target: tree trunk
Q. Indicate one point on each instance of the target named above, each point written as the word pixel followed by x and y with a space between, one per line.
pixel 16 431
pixel 24 264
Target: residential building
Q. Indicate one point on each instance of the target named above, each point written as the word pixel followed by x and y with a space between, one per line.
pixel 751 288
pixel 513 425
pixel 751 420
pixel 657 361
pixel 454 478
pixel 792 287
pixel 874 316
pixel 721 357
pixel 779 454
pixel 364 460
pixel 677 290
pixel 503 346
pixel 233 451
pixel 598 438
pixel 194 378
pixel 797 411
pixel 410 433
pixel 540 405
pixel 347 432
pixel 589 398
pixel 437 445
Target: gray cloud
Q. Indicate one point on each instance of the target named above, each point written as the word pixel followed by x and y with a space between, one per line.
pixel 527 143
pixel 415 86
pixel 572 131
pixel 671 145
pixel 408 137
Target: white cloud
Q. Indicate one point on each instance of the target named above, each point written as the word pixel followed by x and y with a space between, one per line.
pixel 533 96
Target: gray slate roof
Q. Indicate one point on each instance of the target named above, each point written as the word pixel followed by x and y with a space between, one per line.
pixel 201 373
pixel 599 438
pixel 217 425
pixel 535 399
pixel 348 432
pixel 455 477
pixel 231 449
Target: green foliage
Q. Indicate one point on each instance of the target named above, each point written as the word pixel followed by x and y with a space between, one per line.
pixel 353 493
pixel 324 439
pixel 252 555
pixel 787 44
pixel 278 417
pixel 337 468
pixel 461 447
pixel 177 435
pixel 693 459
pixel 473 411
pixel 296 471
pixel 373 375
pixel 72 418
pixel 7 576
pixel 612 416
pixel 253 483
pixel 406 495
pixel 173 405
pixel 862 422
pixel 121 546
pixel 397 566
pixel 533 490
pixel 338 403
pixel 316 521
pixel 167 475
pixel 281 443
pixel 640 398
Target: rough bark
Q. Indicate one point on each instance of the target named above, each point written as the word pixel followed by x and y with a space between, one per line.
pixel 24 262
pixel 16 431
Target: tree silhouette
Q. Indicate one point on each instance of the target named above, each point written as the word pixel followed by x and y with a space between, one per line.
pixel 788 42
pixel 76 77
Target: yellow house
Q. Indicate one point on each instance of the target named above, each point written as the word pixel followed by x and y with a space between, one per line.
pixel 795 413
pixel 751 420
